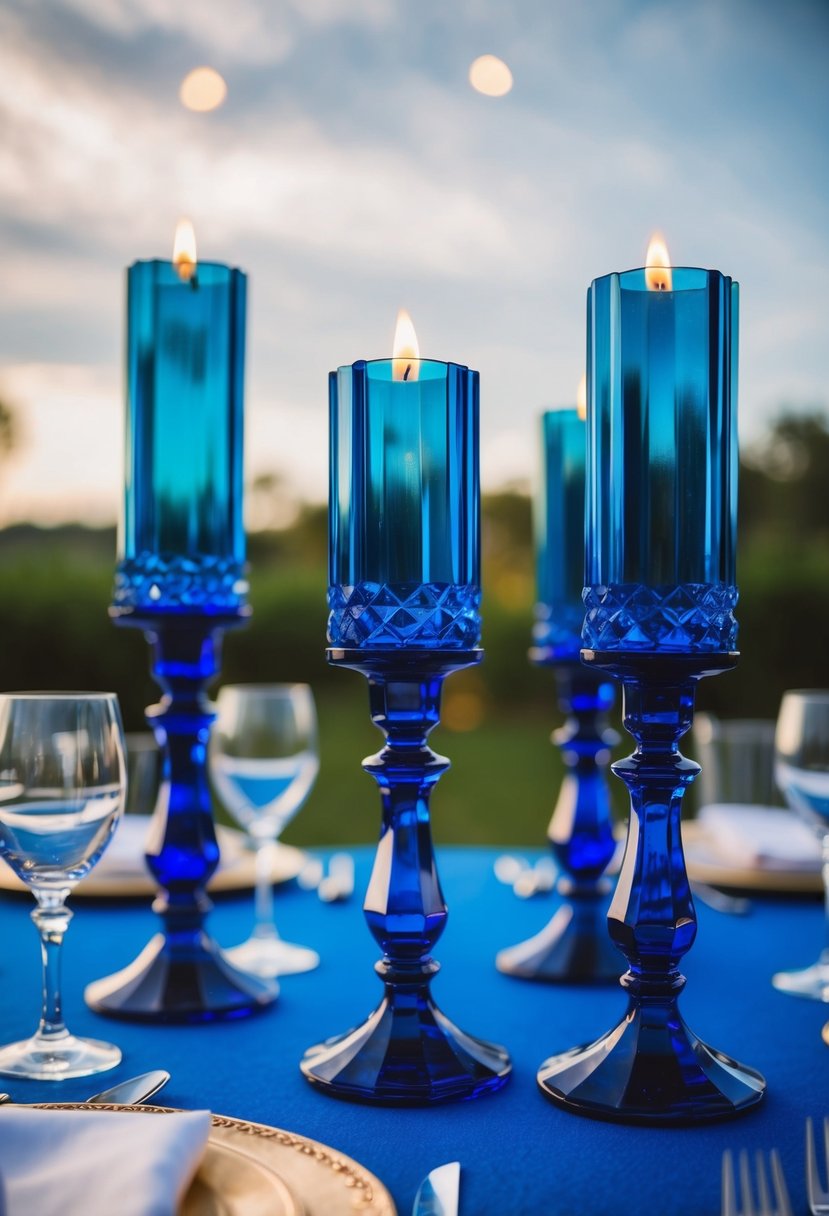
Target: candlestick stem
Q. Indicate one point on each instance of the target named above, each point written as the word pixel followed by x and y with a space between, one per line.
pixel 651 1067
pixel 181 975
pixel 574 946
pixel 407 1052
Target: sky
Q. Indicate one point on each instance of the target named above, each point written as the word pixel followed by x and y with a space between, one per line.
pixel 352 170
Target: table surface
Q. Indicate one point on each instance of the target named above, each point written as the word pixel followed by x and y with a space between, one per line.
pixel 520 1154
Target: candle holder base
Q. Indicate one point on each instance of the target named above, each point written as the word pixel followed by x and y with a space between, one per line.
pixel 651 1069
pixel 406 1053
pixel 181 975
pixel 573 948
pixel 170 984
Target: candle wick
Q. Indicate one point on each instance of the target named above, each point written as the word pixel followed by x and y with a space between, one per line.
pixel 407 371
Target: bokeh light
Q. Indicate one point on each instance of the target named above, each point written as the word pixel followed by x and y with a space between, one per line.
pixel 202 89
pixel 490 75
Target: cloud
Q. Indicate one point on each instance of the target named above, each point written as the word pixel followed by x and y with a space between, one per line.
pixel 353 170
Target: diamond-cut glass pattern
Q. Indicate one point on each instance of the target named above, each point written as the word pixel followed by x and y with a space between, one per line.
pixel 677 619
pixel 436 615
pixel 558 628
pixel 153 583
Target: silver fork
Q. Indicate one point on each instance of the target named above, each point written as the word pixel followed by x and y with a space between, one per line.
pixel 818 1195
pixel 782 1206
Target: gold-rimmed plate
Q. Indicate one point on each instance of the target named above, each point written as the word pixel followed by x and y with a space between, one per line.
pixel 121 874
pixel 705 864
pixel 251 1169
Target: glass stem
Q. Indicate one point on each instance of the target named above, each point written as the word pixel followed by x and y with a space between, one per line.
pixel 265 923
pixel 51 919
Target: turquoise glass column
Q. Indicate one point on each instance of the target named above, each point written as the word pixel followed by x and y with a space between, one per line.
pixel 404 554
pixel 182 541
pixel 559 534
pixel 181 579
pixel 404 594
pixel 660 595
pixel 662 440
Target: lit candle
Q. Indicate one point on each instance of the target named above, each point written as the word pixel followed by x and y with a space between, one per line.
pixel 662 453
pixel 559 531
pixel 404 504
pixel 182 540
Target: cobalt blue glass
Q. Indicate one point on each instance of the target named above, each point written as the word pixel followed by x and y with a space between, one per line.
pixel 404 595
pixel 660 594
pixel 574 946
pixel 180 578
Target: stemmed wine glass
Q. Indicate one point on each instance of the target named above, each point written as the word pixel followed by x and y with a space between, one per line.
pixel 263 762
pixel 802 772
pixel 62 787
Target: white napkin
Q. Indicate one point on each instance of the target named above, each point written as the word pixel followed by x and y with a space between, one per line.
pixel 74 1163
pixel 124 857
pixel 760 837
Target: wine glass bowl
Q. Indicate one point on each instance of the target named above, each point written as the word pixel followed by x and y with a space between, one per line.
pixel 802 773
pixel 263 762
pixel 62 789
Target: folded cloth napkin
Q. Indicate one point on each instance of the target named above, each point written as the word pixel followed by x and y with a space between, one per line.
pixel 97 1163
pixel 760 837
pixel 124 857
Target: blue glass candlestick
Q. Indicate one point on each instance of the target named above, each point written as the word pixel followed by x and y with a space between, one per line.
pixel 574 946
pixel 404 595
pixel 661 503
pixel 180 578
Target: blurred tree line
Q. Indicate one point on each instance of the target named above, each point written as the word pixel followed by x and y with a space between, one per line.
pixel 55 632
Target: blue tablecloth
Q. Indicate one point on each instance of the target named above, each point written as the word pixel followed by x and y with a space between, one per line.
pixel 521 1156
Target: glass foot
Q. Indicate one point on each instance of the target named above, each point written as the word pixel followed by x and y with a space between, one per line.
pixel 194 983
pixel 57 1058
pixel 573 948
pixel 270 956
pixel 651 1068
pixel 811 982
pixel 406 1054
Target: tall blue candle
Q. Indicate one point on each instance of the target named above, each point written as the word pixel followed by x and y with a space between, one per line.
pixel 180 578
pixel 404 597
pixel 182 540
pixel 662 447
pixel 559 534
pixel 404 554
pixel 660 599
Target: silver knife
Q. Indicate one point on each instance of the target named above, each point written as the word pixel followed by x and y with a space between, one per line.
pixel 438 1193
pixel 126 1093
pixel 130 1093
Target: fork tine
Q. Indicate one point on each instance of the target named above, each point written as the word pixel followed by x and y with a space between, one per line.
pixel 745 1185
pixel 781 1192
pixel 729 1197
pixel 763 1196
pixel 812 1177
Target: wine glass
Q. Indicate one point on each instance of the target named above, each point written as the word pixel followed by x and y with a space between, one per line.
pixel 802 772
pixel 62 787
pixel 263 762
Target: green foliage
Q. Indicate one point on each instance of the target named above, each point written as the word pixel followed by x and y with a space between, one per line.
pixel 56 634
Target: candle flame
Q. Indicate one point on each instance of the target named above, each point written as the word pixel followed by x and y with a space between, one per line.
pixel 184 250
pixel 406 352
pixel 581 398
pixel 658 265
